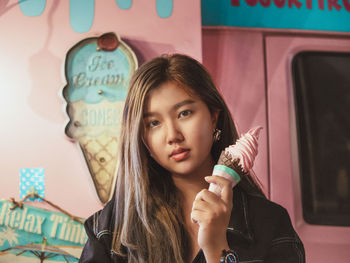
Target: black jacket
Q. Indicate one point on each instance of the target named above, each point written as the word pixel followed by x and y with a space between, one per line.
pixel 259 231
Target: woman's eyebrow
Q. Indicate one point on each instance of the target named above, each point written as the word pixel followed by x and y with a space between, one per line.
pixel 148 114
pixel 182 103
pixel 175 107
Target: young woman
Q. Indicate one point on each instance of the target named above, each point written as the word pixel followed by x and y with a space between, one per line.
pixel 162 211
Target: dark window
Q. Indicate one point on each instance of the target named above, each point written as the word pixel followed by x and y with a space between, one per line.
pixel 322 99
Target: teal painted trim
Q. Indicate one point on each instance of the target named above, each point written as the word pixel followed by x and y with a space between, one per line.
pixel 311 17
pixel 81 14
pixel 164 8
pixel 229 171
pixel 124 4
pixel 32 7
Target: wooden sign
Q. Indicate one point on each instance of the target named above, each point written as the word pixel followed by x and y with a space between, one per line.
pixel 30 233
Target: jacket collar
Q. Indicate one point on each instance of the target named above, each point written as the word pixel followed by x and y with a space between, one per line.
pixel 239 224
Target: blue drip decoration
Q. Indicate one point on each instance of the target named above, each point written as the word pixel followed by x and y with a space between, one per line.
pixel 124 4
pixel 164 8
pixel 81 14
pixel 32 7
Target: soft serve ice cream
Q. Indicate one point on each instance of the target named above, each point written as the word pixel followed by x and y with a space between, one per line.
pixel 237 159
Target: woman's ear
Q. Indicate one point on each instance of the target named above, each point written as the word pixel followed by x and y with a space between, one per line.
pixel 215 117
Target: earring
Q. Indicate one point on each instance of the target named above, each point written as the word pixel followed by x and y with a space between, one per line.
pixel 217 134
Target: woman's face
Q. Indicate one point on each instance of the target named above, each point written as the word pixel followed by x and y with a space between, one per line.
pixel 178 130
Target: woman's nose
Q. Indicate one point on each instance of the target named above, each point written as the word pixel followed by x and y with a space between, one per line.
pixel 174 134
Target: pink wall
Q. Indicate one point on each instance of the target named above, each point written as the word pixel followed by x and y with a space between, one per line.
pixel 32 55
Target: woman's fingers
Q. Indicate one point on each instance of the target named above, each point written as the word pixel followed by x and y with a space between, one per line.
pixel 202 205
pixel 206 195
pixel 224 184
pixel 202 212
pixel 212 214
pixel 196 216
pixel 207 206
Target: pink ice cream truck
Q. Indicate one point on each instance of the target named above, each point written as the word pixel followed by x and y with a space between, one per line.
pixel 284 64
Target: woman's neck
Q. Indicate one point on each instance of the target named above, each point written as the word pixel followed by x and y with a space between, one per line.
pixel 190 184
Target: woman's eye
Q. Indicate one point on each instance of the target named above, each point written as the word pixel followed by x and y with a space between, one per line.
pixel 152 124
pixel 184 113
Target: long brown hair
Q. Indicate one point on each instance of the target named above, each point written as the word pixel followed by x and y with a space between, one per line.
pixel 149 226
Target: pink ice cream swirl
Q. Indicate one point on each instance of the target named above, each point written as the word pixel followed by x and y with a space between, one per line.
pixel 246 148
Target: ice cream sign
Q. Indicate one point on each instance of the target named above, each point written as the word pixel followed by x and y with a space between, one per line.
pixel 98 71
pixel 30 234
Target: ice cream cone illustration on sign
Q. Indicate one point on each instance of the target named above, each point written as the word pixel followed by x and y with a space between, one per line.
pixel 98 71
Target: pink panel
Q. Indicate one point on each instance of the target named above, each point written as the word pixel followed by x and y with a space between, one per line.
pixel 32 55
pixel 322 243
pixel 235 59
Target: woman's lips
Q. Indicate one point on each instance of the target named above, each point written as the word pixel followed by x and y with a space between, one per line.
pixel 180 154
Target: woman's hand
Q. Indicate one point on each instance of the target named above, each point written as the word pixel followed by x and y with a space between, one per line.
pixel 212 214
